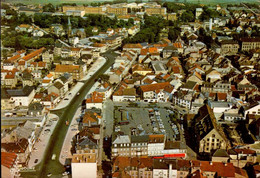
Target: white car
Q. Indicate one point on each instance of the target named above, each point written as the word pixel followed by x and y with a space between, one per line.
pixel 49 175
pixel 65 173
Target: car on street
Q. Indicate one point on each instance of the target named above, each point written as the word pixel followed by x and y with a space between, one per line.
pixel 78 93
pixel 49 175
pixel 36 160
pixel 65 173
pixel 66 99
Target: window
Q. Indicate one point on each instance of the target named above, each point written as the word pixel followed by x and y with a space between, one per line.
pixel 213 135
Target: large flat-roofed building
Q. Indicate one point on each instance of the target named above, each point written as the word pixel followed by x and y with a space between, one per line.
pixel 250 43
pixel 229 47
pixel 66 8
pixel 88 9
pixel 117 10
pixel 93 10
pixel 155 10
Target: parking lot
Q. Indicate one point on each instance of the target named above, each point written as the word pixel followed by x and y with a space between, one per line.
pixel 146 121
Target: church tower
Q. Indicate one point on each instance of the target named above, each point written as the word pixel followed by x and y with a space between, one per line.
pixel 69 27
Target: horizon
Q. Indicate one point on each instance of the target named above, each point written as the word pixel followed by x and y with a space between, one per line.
pixel 79 2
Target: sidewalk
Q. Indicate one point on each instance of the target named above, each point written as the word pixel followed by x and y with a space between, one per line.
pixel 41 143
pixel 72 131
pixel 96 66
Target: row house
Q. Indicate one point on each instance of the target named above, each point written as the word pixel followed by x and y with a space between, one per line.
pixel 132 167
pixel 94 100
pixel 37 66
pixel 229 47
pixel 218 87
pixel 76 71
pixel 125 94
pixel 9 78
pixel 250 43
pixel 233 115
pixel 158 168
pixel 141 69
pixel 183 98
pixel 21 97
pixel 134 47
pixel 58 88
pixel 90 119
pixel 33 55
pixel 142 145
pixel 50 101
pixel 105 89
pixel 159 92
pixel 113 40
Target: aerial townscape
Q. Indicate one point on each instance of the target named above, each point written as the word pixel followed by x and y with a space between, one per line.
pixel 130 89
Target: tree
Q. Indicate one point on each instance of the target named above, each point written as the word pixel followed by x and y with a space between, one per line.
pixel 187 16
pixel 48 8
pixel 104 77
pixel 173 33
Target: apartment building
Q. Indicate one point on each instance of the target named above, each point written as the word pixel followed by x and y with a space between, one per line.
pixel 155 11
pixel 117 10
pixel 250 43
pixel 229 47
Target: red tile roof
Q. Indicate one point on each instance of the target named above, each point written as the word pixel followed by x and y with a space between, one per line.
pixel 75 49
pixel 223 169
pixel 89 117
pixel 153 50
pixel 21 63
pixel 133 46
pixel 148 81
pixel 41 64
pixel 222 96
pixel 10 76
pixel 33 54
pixel 98 45
pixel 153 87
pixel 67 68
pixel 244 151
pixel 241 171
pixel 160 45
pixel 14 58
pixel 95 98
pixel 176 69
pixel 8 159
pixel 177 45
pixel 144 51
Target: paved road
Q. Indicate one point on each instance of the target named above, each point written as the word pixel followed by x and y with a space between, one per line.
pixel 108 115
pixel 56 141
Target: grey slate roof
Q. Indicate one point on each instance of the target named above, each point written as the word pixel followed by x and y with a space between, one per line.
pixel 139 138
pixel 58 85
pixel 21 92
pixel 35 107
pixel 220 153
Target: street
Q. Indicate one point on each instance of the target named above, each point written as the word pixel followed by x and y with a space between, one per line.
pixel 66 114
